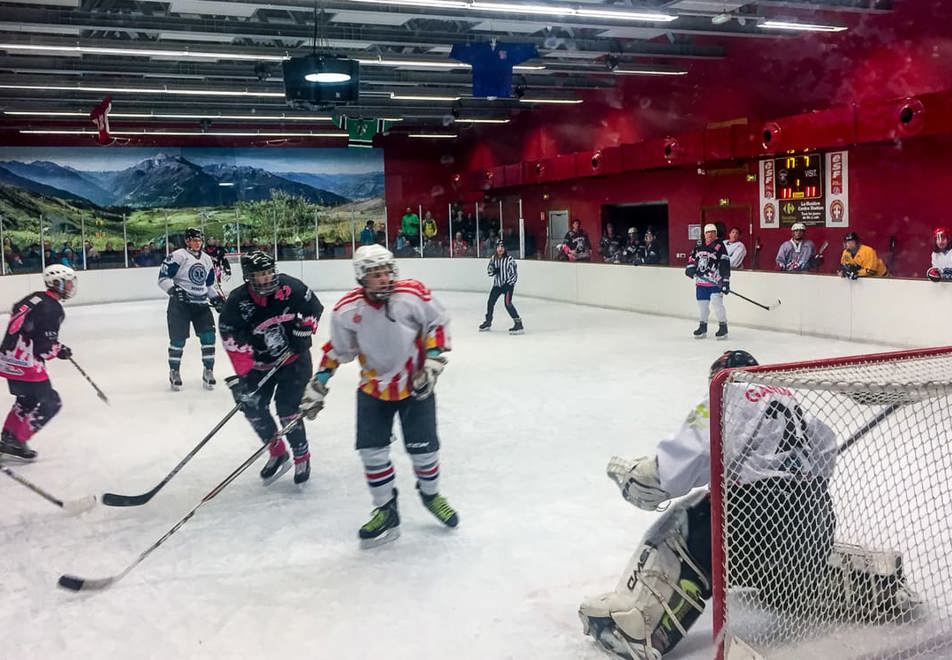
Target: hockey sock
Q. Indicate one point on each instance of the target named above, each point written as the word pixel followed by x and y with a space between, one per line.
pixel 717 302
pixel 176 348
pixel 297 437
pixel 207 340
pixel 427 469
pixel 704 310
pixel 379 473
pixel 18 425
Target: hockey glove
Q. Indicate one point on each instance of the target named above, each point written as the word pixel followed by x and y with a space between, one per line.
pixel 639 482
pixel 947 273
pixel 725 287
pixel 179 294
pixel 690 271
pixel 425 379
pixel 301 336
pixel 218 304
pixel 934 274
pixel 312 401
pixel 64 352
pixel 242 392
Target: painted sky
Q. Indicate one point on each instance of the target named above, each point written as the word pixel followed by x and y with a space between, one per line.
pixel 312 161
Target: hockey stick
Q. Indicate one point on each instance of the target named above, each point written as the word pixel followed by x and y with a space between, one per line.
pixel 89 380
pixel 71 507
pixel 112 499
pixel 743 297
pixel 74 583
pixel 869 426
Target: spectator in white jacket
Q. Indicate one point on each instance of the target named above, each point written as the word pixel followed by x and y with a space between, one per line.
pixel 736 250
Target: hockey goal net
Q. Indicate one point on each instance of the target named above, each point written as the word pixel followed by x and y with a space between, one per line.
pixel 832 535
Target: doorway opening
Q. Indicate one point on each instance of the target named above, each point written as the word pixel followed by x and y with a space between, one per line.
pixel 641 216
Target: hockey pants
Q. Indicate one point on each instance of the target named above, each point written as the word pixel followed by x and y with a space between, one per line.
pixel 36 404
pixel 286 387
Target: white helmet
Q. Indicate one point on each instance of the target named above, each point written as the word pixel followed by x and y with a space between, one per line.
pixel 60 279
pixel 368 257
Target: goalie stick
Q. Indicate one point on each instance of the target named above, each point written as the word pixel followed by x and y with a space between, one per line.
pixel 74 583
pixel 113 499
pixel 71 507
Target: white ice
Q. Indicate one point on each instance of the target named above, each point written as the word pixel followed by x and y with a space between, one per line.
pixel 527 424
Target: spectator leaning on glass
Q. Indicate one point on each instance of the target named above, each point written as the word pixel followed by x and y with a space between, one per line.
pixel 577 245
pixel 410 224
pixel 610 247
pixel 649 253
pixel 860 260
pixel 797 254
pixel 460 246
pixel 367 235
pixel 736 250
pixel 941 256
pixel 430 228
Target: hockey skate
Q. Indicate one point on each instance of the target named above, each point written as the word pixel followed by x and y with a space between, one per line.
pixel 440 508
pixel 383 526
pixel 517 328
pixel 701 331
pixel 302 470
pixel 175 380
pixel 721 331
pixel 13 448
pixel 485 326
pixel 274 468
pixel 208 379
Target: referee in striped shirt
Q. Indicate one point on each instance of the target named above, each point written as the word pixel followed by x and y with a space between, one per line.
pixel 502 268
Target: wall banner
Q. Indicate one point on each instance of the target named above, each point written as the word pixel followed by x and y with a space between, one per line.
pixel 837 186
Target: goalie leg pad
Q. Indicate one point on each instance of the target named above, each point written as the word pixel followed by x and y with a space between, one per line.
pixel 868 586
pixel 659 596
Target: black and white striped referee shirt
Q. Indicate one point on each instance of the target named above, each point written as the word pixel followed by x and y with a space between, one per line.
pixel 503 271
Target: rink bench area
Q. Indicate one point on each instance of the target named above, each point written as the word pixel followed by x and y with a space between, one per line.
pixel 889 311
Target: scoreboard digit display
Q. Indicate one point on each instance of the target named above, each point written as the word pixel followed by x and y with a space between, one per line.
pixel 799 180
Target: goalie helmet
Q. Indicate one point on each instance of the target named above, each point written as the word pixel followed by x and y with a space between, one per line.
pixel 61 280
pixel 258 270
pixel 733 360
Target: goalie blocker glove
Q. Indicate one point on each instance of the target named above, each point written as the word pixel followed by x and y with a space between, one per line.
pixel 638 481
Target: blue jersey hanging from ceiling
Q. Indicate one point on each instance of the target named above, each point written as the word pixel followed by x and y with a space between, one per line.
pixel 492 65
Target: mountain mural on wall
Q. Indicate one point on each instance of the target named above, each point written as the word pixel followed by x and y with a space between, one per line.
pixel 173 181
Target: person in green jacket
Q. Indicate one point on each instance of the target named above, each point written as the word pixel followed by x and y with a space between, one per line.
pixel 410 224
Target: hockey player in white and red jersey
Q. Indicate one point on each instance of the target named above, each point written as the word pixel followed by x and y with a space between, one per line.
pixel 941 256
pixel 786 456
pixel 399 333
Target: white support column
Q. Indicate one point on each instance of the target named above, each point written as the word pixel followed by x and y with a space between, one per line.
pixel 125 241
pixel 82 226
pixel 476 238
pixel 449 224
pixel 420 226
pixel 522 232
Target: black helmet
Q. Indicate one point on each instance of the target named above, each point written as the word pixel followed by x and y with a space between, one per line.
pixel 194 232
pixel 732 360
pixel 851 236
pixel 257 269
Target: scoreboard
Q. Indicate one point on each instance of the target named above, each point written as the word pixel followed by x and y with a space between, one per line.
pixel 799 182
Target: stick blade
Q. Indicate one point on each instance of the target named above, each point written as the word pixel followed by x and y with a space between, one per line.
pixel 775 305
pixel 83 504
pixel 113 499
pixel 73 583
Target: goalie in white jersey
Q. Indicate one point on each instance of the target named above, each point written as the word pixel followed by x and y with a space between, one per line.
pixel 398 332
pixel 785 457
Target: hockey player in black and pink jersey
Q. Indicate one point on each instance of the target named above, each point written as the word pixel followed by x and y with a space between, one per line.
pixel 710 267
pixel 398 332
pixel 941 268
pixel 32 338
pixel 267 322
pixel 216 252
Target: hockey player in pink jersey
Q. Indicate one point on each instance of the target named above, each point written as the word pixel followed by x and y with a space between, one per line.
pixel 399 333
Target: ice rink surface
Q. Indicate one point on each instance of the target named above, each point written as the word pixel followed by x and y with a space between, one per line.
pixel 528 424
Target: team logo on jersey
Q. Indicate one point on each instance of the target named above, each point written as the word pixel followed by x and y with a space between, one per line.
pixel 197 274
pixel 358 318
pixel 283 292
pixel 246 308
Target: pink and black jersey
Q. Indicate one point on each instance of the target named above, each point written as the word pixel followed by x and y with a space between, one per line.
pixel 32 337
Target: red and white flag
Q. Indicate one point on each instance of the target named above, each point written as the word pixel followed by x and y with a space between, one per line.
pixel 100 117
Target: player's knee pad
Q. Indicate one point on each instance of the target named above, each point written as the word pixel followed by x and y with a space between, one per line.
pixel 177 344
pixel 660 595
pixel 50 405
pixel 206 338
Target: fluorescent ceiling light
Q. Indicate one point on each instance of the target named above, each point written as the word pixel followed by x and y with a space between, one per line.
pixel 144 52
pixel 409 97
pixel 327 77
pixel 801 27
pixel 226 184
pixel 184 133
pixel 438 64
pixel 146 90
pixel 537 9
pixel 433 136
pixel 482 121
pixel 156 115
pixel 647 72
pixel 525 99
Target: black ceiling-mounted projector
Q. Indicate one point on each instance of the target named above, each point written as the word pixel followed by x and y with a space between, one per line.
pixel 321 80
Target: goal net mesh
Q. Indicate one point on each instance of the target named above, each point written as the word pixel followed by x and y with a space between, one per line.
pixel 833 515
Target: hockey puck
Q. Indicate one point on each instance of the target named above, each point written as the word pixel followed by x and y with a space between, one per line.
pixel 70 582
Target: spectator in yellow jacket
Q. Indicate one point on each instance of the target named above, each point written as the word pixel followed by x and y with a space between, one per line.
pixel 430 228
pixel 860 260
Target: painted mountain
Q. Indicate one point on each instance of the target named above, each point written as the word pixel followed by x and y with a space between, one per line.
pixel 62 179
pixel 356 187
pixel 254 184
